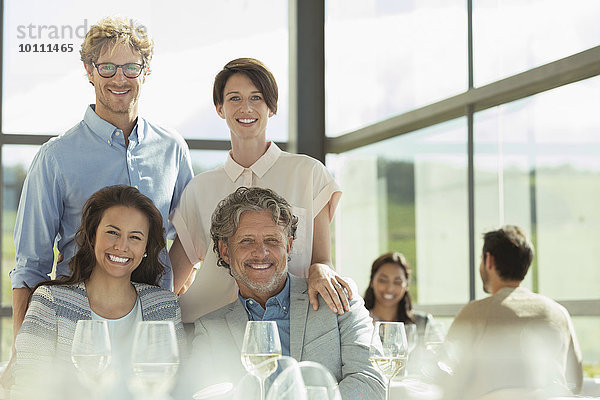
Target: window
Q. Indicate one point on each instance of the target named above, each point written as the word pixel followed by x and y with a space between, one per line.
pixel 407 194
pixel 15 163
pixel 539 169
pixel 191 46
pixel 385 57
pixel 535 159
pixel 511 36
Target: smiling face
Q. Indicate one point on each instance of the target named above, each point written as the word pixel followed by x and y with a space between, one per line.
pixel 244 109
pixel 257 254
pixel 120 242
pixel 116 95
pixel 389 284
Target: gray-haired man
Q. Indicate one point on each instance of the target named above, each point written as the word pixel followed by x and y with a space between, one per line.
pixel 253 231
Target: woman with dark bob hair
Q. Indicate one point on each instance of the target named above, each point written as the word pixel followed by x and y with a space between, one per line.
pixel 245 96
pixel 387 297
pixel 114 278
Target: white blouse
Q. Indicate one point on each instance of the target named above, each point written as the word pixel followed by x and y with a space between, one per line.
pixel 121 332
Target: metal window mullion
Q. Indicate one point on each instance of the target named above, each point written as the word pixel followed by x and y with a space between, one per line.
pixel 307 77
pixel 471 154
pixel 574 68
pixel 471 200
pixel 1 149
pixel 193 144
pixel 576 308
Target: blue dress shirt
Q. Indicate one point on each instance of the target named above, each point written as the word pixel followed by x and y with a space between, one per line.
pixel 277 309
pixel 68 169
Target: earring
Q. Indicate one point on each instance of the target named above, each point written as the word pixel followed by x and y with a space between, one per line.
pixel 145 255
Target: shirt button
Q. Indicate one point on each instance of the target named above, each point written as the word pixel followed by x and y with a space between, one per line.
pixel 108 141
pixel 250 302
pixel 117 133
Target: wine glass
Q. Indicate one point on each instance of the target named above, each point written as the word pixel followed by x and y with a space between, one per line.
pixel 434 337
pixel 319 382
pixel 154 358
pixel 91 351
pixel 389 350
pixel 412 337
pixel 435 334
pixel 260 350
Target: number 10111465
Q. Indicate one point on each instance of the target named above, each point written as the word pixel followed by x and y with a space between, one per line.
pixel 45 48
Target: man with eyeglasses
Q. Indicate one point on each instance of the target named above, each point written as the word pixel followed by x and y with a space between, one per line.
pixel 111 145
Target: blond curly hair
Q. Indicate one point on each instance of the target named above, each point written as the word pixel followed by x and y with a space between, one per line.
pixel 109 32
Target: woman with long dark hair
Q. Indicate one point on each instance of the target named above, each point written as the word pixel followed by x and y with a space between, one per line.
pixel 114 277
pixel 387 298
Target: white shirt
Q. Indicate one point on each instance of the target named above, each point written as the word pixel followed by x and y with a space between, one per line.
pixel 121 332
pixel 303 181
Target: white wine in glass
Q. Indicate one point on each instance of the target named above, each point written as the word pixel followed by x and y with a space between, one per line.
pixel 261 350
pixel 154 358
pixel 388 366
pixel 389 350
pixel 260 365
pixel 91 350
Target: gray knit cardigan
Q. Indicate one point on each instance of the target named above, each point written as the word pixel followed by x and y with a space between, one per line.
pixel 47 332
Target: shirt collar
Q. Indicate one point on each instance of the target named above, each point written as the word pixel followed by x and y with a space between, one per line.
pixel 282 298
pixel 260 166
pixel 106 131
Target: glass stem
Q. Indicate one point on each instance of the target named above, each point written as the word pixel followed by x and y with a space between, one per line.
pixel 387 389
pixel 262 389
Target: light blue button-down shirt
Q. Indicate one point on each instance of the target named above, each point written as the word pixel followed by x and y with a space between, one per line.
pixel 68 169
pixel 277 309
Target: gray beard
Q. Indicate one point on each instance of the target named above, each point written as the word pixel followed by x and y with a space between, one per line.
pixel 267 288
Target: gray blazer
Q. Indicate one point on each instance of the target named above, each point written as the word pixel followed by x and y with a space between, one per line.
pixel 338 342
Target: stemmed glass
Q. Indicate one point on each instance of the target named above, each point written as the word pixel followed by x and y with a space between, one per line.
pixel 154 359
pixel 91 351
pixel 434 337
pixel 412 337
pixel 260 350
pixel 389 350
pixel 434 343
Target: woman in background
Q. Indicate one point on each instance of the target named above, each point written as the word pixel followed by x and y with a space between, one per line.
pixel 387 297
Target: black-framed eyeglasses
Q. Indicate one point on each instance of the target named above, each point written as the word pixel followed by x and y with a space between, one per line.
pixel 108 70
